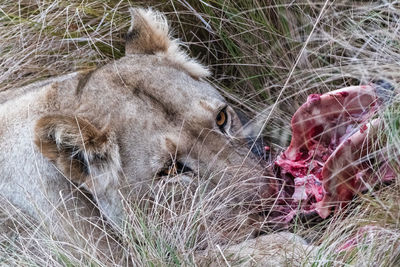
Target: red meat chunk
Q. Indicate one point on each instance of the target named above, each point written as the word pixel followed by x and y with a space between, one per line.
pixel 328 161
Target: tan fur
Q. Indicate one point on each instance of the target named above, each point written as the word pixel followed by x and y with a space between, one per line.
pixel 111 132
pixel 149 34
pixel 279 249
pixel 71 143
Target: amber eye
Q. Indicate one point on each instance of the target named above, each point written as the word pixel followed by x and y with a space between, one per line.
pixel 221 118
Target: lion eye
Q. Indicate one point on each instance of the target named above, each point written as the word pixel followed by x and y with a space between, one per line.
pixel 169 171
pixel 174 168
pixel 221 118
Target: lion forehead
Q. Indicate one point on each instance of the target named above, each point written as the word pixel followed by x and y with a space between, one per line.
pixel 150 82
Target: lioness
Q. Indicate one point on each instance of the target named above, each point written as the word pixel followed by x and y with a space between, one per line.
pixel 116 130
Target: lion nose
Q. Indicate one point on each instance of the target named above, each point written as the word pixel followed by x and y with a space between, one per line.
pixel 257 147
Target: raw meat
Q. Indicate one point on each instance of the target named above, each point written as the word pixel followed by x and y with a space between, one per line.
pixel 331 155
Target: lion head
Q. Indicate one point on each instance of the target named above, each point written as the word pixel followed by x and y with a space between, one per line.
pixel 147 116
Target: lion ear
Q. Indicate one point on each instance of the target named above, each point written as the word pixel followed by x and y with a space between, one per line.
pixel 148 34
pixel 80 150
pixel 87 156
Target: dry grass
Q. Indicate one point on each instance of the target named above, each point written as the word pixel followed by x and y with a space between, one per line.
pixel 252 47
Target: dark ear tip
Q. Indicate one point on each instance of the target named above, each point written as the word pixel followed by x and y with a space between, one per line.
pixel 131 35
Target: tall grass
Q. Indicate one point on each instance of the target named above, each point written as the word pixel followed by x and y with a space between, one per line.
pixel 252 47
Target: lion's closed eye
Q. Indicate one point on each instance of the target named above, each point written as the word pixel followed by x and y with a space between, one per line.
pixel 174 168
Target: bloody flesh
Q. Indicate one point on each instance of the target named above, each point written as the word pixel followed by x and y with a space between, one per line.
pixel 327 160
